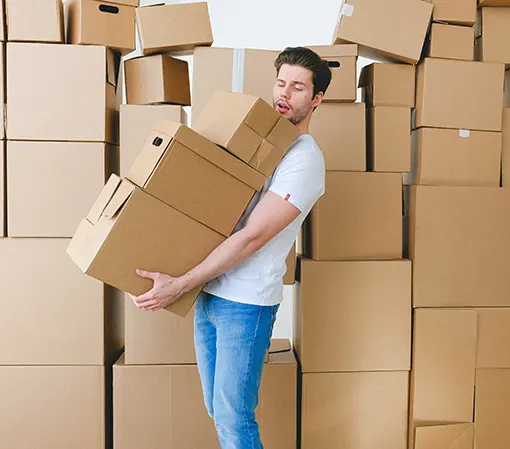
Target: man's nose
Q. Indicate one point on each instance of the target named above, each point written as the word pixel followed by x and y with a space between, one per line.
pixel 285 92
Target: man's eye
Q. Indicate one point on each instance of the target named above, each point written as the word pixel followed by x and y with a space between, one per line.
pixel 298 89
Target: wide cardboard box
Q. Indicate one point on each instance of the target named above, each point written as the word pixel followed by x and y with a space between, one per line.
pixel 388 85
pixel 157 79
pixel 505 151
pixel 190 173
pixel 451 42
pixel 128 229
pixel 71 90
pixel 355 410
pixel 58 407
pixel 179 418
pixel 493 338
pixel 389 139
pixel 358 218
pixel 492 31
pixel 451 157
pixel 59 317
pixel 290 275
pixel 51 184
pixel 390 29
pixel 3 191
pixel 342 61
pixel 339 130
pixel 444 435
pixel 247 71
pixel 460 12
pixel 41 21
pixel 136 122
pixel 459 94
pixel 454 233
pixel 181 27
pixel 362 306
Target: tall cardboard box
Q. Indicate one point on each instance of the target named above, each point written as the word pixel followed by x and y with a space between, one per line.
pixel 492 31
pixel 460 12
pixel 455 232
pixel 59 317
pixel 355 410
pixel 51 184
pixel 505 152
pixel 342 61
pixel 157 79
pixel 54 406
pixel 493 338
pixel 339 130
pixel 388 85
pixel 358 218
pixel 455 436
pixel 41 21
pixel 181 27
pixel 136 122
pixel 240 70
pixel 451 157
pixel 459 94
pixel 451 42
pixel 362 306
pixel 71 91
pixel 393 29
pixel 3 192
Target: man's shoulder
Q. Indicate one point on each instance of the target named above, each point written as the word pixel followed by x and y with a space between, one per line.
pixel 304 147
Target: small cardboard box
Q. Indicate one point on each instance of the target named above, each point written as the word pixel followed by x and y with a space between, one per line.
pixel 451 42
pixel 492 31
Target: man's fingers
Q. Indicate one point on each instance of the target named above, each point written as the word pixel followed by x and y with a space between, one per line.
pixel 147 274
pixel 148 296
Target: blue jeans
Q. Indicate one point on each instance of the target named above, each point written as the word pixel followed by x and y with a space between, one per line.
pixel 231 341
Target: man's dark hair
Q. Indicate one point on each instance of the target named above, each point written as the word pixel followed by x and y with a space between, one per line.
pixel 310 60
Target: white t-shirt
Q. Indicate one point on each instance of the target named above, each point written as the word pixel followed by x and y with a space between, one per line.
pixel 300 179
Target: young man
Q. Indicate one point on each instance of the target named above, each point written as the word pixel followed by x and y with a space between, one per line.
pixel 235 313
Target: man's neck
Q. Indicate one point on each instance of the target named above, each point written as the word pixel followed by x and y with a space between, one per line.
pixel 304 126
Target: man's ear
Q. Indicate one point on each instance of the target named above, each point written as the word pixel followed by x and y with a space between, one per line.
pixel 318 99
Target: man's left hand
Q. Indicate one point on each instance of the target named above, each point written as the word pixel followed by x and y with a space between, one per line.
pixel 165 291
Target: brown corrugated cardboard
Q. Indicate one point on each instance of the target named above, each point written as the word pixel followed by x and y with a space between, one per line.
pixel 492 408
pixel 393 29
pixel 51 184
pixel 241 70
pixel 59 317
pixel 389 139
pixel 388 85
pixel 157 79
pixel 65 406
pixel 165 28
pixel 363 306
pixel 79 104
pixel 505 152
pixel 3 192
pixel 494 2
pixel 444 436
pixel 41 21
pixel 455 233
pixel 342 61
pixel 451 157
pixel 364 224
pixel 492 31
pixel 173 394
pixel 493 338
pixel 339 130
pixel 459 94
pixel 355 410
pixel 451 42
pixel 190 173
pixel 290 276
pixel 128 229
pixel 460 12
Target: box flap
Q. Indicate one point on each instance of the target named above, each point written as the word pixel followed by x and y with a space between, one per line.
pixel 448 436
pixel 119 198
pixel 335 51
pixel 103 199
pixel 262 118
pixel 279 345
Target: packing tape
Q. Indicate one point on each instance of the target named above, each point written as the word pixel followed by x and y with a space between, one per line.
pixel 238 70
pixel 464 132
pixel 347 10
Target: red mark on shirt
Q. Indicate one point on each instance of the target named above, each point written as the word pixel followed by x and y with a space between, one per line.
pixel 287 197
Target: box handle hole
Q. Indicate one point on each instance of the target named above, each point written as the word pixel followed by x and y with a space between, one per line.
pixel 157 141
pixel 334 64
pixel 109 9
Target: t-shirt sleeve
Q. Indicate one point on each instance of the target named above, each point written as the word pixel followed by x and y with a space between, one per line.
pixel 300 179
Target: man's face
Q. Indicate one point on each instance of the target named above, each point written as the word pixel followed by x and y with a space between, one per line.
pixel 293 93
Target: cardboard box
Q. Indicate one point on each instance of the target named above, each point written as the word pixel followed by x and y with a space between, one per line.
pixel 370 215
pixel 342 61
pixel 454 436
pixel 389 139
pixel 388 85
pixel 290 276
pixel 136 122
pixel 242 124
pixel 157 79
pixel 60 317
pixel 451 42
pixel 363 306
pixel 51 184
pixel 340 133
pixel 71 91
pixel 41 21
pixel 128 229
pixel 165 28
pixel 492 408
pixel 188 172
pixel 455 232
pixel 491 31
pixel 505 152
pixel 355 410
pixel 493 338
pixel 451 157
pixel 240 70
pixel 393 29
pixel 65 406
pixel 3 191
pixel 459 94
pixel 174 394
pixel 460 12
